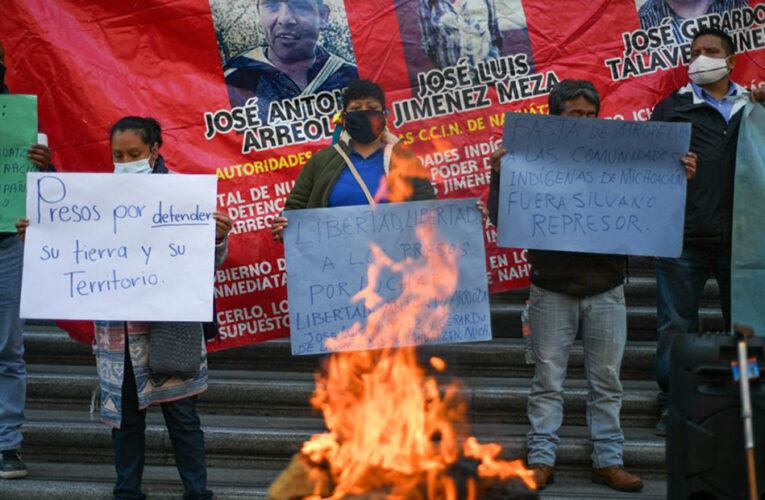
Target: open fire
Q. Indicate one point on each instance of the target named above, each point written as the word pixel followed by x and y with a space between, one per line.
pixel 393 432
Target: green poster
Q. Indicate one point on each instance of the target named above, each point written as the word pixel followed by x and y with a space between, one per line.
pixel 18 131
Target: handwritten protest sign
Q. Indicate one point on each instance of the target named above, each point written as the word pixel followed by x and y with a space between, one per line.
pixel 119 247
pixel 18 131
pixel 329 251
pixel 588 185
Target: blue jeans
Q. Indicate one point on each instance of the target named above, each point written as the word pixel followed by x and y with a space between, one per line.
pixel 13 372
pixel 185 434
pixel 555 319
pixel 680 285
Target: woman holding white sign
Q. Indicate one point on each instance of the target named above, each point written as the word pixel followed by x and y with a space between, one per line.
pixel 131 381
pixel 367 165
pixel 135 149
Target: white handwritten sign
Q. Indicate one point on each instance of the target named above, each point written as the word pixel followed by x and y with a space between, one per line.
pixel 119 247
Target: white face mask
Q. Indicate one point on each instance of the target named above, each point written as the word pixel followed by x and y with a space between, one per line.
pixel 133 167
pixel 705 70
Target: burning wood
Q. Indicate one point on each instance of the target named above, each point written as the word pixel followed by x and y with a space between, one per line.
pixel 393 433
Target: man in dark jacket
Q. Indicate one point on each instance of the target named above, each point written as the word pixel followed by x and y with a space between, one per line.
pixel 571 293
pixel 13 375
pixel 377 156
pixel 713 104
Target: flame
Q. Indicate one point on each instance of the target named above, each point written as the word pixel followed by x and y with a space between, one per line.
pixel 404 167
pixel 438 363
pixel 391 428
pixel 491 467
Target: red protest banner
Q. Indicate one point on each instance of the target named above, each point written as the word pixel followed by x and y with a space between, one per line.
pixel 450 70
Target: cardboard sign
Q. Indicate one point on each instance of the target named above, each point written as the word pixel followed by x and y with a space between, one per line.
pixel 331 252
pixel 597 186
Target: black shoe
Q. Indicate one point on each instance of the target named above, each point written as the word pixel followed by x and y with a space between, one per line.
pixel 11 465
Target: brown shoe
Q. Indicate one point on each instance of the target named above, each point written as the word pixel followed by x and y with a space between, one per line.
pixel 617 478
pixel 543 475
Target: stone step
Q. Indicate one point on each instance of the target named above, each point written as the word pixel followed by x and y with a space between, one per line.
pixel 574 485
pixel 88 481
pixel 277 394
pixel 506 317
pixel 641 320
pixel 500 357
pixel 642 266
pixel 642 291
pixel 261 442
pixel 67 481
pixel 638 290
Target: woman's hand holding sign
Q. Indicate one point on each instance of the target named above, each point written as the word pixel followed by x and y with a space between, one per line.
pixel 223 225
pixel 277 227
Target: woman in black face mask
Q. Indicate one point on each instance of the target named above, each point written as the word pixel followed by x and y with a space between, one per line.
pixel 368 165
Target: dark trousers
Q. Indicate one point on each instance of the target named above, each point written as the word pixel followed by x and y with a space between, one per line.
pixel 680 285
pixel 185 434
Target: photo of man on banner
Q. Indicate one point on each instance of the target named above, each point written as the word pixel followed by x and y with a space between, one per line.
pixel 437 34
pixel 455 30
pixel 288 60
pixel 654 12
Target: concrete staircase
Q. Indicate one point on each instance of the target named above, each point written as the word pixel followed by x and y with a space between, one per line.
pixel 256 411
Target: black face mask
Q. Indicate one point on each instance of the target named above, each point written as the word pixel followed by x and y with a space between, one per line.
pixel 364 126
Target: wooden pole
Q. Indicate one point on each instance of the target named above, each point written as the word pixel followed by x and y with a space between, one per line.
pixel 752 474
pixel 742 332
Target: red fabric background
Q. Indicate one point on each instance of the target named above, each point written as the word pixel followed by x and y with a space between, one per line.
pixel 91 63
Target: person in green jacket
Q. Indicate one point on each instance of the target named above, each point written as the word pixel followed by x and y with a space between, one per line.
pixel 368 164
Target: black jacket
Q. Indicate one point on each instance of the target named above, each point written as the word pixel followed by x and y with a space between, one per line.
pixel 709 198
pixel 572 273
